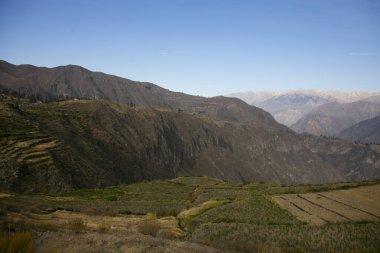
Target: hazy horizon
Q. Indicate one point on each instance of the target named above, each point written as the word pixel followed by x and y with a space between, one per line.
pixel 206 48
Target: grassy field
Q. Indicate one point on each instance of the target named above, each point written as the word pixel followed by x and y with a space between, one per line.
pixel 362 204
pixel 199 214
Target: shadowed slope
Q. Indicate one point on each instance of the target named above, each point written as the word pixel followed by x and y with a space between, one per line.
pixel 332 118
pixel 365 131
pixel 98 143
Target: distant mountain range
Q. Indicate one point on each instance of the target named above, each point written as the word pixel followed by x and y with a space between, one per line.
pixel 330 119
pixel 67 127
pixel 326 113
pixel 290 106
pixel 342 97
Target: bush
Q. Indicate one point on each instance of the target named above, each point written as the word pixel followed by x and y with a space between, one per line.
pixel 165 213
pixel 20 242
pixel 125 212
pixel 111 198
pixel 168 234
pixel 149 227
pixel 77 225
pixel 103 227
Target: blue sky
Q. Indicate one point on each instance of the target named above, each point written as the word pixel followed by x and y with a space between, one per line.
pixel 203 47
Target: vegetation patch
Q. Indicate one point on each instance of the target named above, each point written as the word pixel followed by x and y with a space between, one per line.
pixel 242 237
pixel 149 227
pixel 333 207
pixel 103 227
pixel 224 215
pixel 253 210
pixel 18 242
pixel 77 225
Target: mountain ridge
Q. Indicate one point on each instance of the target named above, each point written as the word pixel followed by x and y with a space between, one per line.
pixel 69 82
pixel 330 119
pixel 90 142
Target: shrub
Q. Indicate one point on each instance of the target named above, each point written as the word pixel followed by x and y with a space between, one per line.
pixel 167 234
pixel 111 198
pixel 165 213
pixel 77 225
pixel 149 227
pixel 125 212
pixel 103 227
pixel 20 242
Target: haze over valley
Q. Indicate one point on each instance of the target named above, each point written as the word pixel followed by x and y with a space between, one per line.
pixel 317 112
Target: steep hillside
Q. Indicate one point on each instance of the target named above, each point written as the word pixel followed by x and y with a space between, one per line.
pixel 152 133
pixel 355 161
pixel 87 144
pixel 367 131
pixel 69 82
pixel 332 118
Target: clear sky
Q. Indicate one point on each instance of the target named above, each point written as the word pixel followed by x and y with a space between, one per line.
pixel 203 47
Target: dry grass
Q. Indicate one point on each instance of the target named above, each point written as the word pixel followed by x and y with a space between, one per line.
pixel 77 225
pixel 223 215
pixel 240 237
pixel 149 227
pixel 298 211
pixel 103 227
pixel 57 242
pixel 4 195
pixel 19 242
pixel 317 211
pixel 347 211
pixel 353 205
pixel 366 198
pixel 195 211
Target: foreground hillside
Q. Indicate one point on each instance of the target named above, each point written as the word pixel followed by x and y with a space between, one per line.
pixel 196 214
pixel 59 146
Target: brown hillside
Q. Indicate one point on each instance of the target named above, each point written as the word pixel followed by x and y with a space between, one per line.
pixel 69 82
pixel 86 144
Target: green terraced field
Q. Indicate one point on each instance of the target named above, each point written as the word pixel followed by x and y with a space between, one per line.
pixel 226 216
